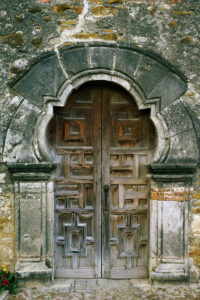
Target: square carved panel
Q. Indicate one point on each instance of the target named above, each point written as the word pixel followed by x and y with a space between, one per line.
pixel 128 130
pixel 74 130
pixel 128 239
pixel 75 240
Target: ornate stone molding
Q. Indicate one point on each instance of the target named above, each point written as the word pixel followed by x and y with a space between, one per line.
pixel 172 172
pixel 153 82
pixel 31 171
pixel 159 80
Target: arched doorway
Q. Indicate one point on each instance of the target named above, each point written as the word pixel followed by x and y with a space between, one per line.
pixel 154 84
pixel 102 142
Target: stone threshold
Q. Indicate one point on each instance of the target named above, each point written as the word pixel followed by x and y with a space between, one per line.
pixel 76 285
pixel 81 285
pixel 106 289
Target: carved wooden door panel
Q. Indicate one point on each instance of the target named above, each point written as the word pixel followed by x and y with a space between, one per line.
pixel 126 148
pixel 101 143
pixel 78 188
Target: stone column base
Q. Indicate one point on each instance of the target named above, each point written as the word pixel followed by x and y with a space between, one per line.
pixel 170 272
pixel 33 270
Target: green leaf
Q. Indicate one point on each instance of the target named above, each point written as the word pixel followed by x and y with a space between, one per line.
pixel 2 289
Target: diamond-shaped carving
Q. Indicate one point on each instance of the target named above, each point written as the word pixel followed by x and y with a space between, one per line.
pixel 128 130
pixel 128 240
pixel 74 130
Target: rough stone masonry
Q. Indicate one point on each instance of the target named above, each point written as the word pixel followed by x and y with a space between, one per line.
pixel 37 40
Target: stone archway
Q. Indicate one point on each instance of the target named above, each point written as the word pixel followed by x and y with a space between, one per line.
pixel 156 85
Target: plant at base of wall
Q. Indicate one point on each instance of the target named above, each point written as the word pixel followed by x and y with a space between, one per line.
pixel 7 281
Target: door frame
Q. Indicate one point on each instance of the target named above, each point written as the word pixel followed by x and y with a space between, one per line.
pixel 135 261
pixel 155 212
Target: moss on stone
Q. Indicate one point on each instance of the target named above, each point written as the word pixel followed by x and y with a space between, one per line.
pixel 183 13
pixel 190 94
pixel 35 9
pixel 37 41
pixel 173 23
pixel 187 39
pixel 61 8
pixel 13 39
pixel 18 18
pixel 47 18
pixel 114 1
pixel 15 70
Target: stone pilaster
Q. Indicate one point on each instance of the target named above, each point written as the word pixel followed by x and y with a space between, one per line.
pixel 34 204
pixel 169 198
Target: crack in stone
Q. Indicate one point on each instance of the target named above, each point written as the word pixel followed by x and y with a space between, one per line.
pixel 67 33
pixel 65 36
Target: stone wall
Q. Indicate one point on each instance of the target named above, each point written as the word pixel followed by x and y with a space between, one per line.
pixel 7 236
pixel 33 28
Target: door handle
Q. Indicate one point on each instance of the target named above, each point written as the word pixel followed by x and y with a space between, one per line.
pixel 106 194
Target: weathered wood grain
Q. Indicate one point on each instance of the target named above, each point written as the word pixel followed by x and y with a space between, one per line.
pixel 103 144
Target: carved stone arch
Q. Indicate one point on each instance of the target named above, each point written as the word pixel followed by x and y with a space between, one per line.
pixel 153 82
pixel 40 143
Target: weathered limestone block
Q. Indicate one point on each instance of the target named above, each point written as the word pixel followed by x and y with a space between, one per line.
pixel 44 78
pixel 155 76
pixel 177 117
pixel 102 57
pixel 182 151
pixel 149 74
pixel 180 126
pixel 7 236
pixel 34 219
pixel 75 60
pixel 170 88
pixel 127 61
pixel 169 221
pixel 194 273
pixel 30 202
pixel 19 138
pixel 171 241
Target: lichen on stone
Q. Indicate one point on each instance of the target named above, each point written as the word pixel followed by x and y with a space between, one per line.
pixel 18 18
pixel 187 39
pixel 35 9
pixel 13 39
pixel 61 8
pixel 37 41
pixel 183 13
pixel 47 18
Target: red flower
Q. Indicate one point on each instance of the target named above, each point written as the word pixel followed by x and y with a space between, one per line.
pixel 5 282
pixel 4 276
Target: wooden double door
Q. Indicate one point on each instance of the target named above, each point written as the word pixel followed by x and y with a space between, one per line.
pixel 102 144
